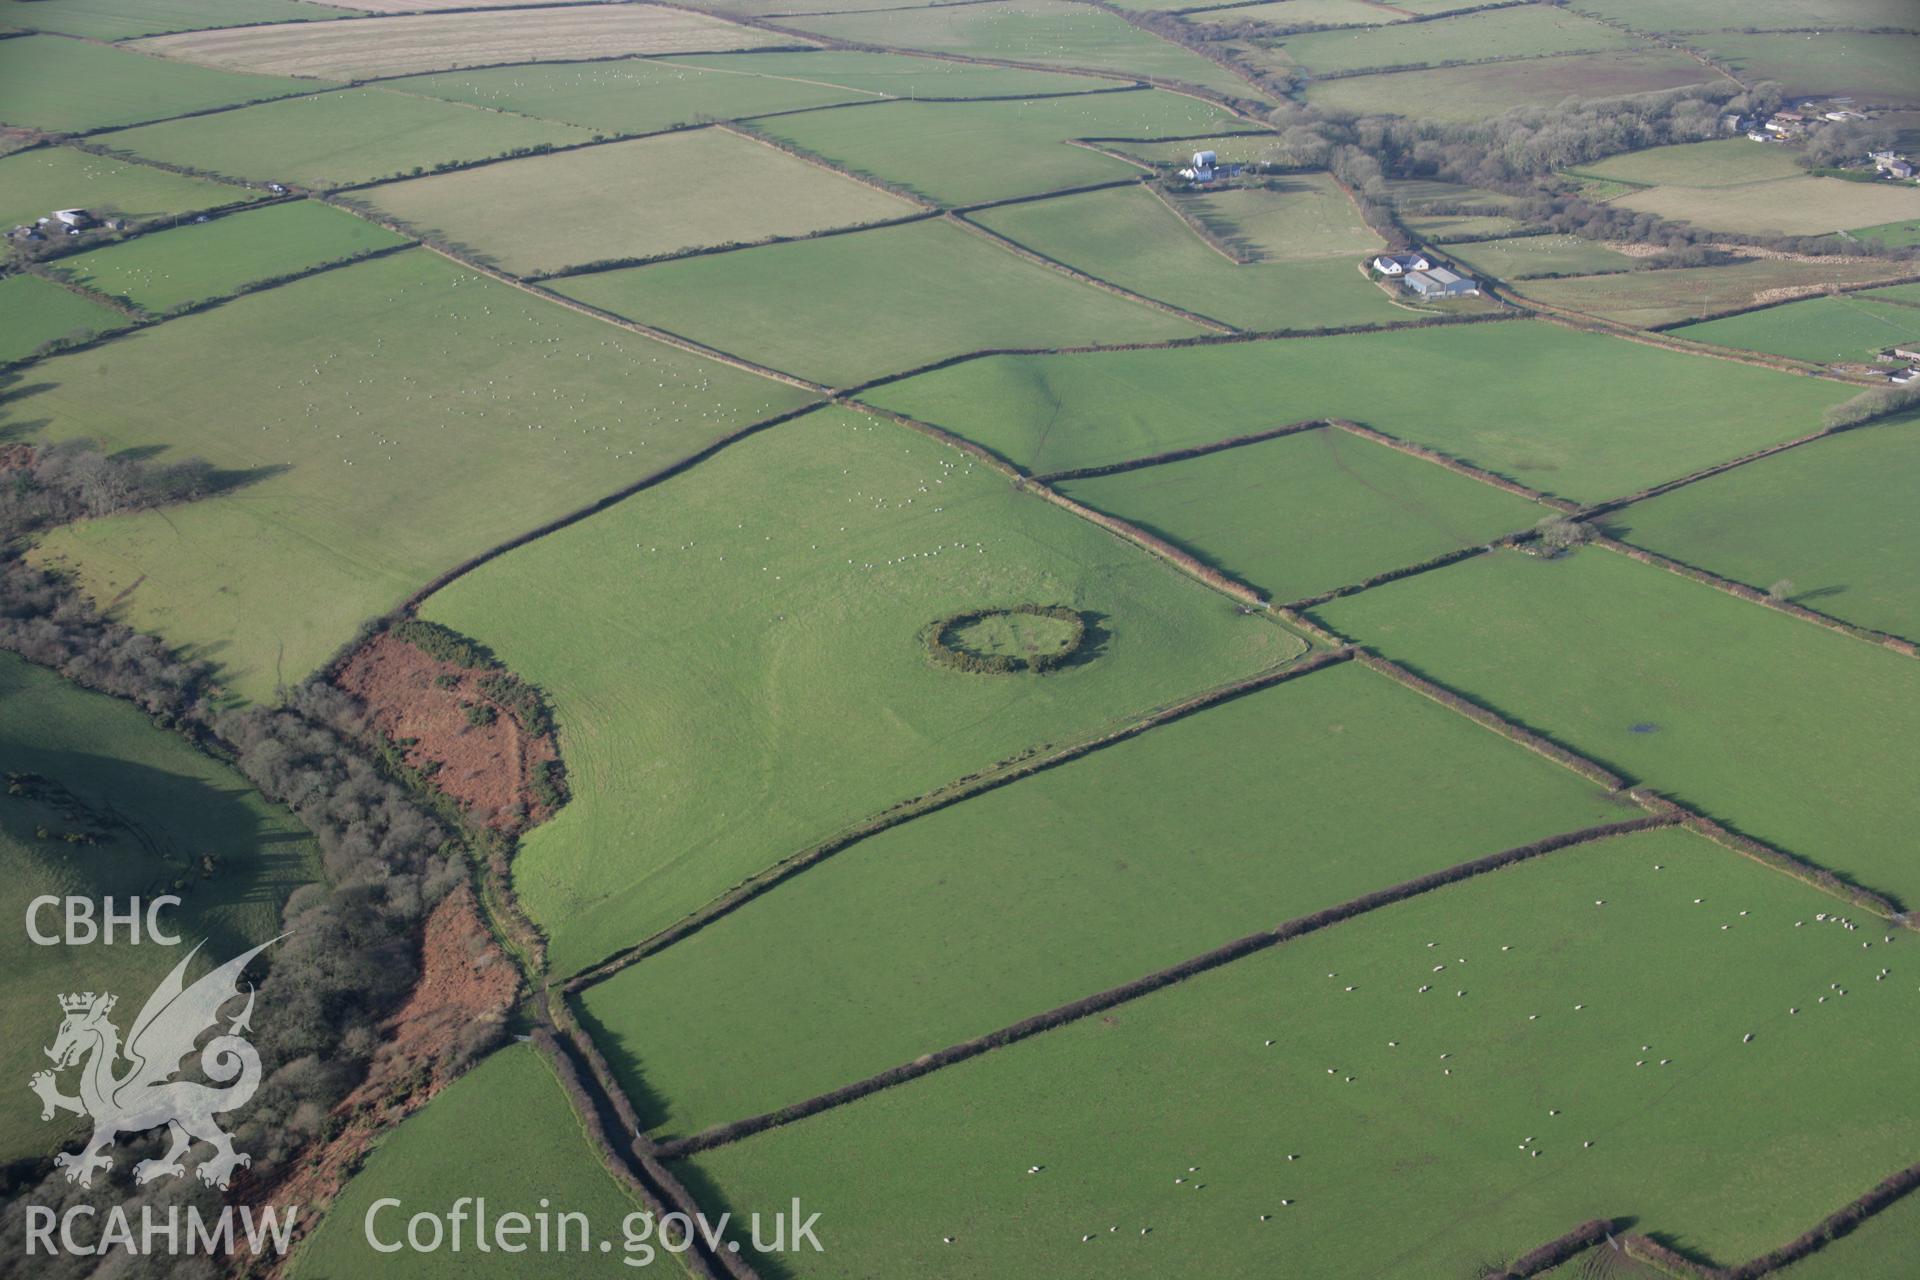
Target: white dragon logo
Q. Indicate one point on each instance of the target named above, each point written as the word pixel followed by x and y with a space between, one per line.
pixel 146 1096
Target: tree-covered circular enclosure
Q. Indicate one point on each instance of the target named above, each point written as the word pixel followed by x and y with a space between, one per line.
pixel 1021 637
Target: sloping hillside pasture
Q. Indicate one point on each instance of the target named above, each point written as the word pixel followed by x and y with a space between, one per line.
pixel 1299 13
pixel 1788 206
pixel 1893 234
pixel 506 1132
pixel 1051 413
pixel 628 96
pixel 961 153
pixel 34 312
pixel 156 808
pixel 1713 16
pixel 431 6
pixel 1458 95
pixel 1310 512
pixel 1131 238
pixel 1412 195
pixel 1878 66
pixel 1709 698
pixel 118 19
pixel 403 45
pixel 791 695
pixel 339 139
pixel 400 415
pixel 1668 296
pixel 900 75
pixel 1522 31
pixel 72 86
pixel 1335 1103
pixel 1724 162
pixel 34 183
pixel 637 199
pixel 1845 327
pixel 1524 256
pixel 1047 32
pixel 186 264
pixel 1907 294
pixel 1881 1248
pixel 1444 227
pixel 1831 519
pixel 1076 880
pixel 1303 215
pixel 843 309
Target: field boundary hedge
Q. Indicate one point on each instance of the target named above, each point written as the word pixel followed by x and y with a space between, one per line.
pixel 1555 1251
pixel 1806 872
pixel 1592 771
pixel 1201 340
pixel 1250 597
pixel 1454 465
pixel 948 794
pixel 1754 596
pixel 1704 473
pixel 1821 291
pixel 1009 245
pixel 1062 1015
pixel 1643 1248
pixel 1180 455
pixel 821 162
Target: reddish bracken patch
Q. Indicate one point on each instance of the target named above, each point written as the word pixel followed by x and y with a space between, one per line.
pixel 441 710
pixel 15 457
pixel 467 987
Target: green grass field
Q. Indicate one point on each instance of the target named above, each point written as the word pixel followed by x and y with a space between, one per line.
pixel 1788 206
pixel 1047 32
pixel 34 312
pixel 1070 882
pixel 400 415
pixel 1458 95
pixel 1650 298
pixel 1711 15
pixel 1690 691
pixel 337 139
pixel 118 19
pixel 632 200
pixel 35 183
pixel 505 1132
pixel 1298 13
pixel 1522 31
pixel 1444 227
pixel 1895 234
pixel 1845 327
pixel 1051 413
pixel 1291 216
pixel 961 153
pixel 1310 512
pixel 1828 518
pixel 1163 1129
pixel 205 260
pixel 899 75
pixel 1725 162
pixel 1525 256
pixel 71 86
pixel 842 309
pixel 1807 61
pixel 630 96
pixel 790 694
pixel 1233 148
pixel 159 807
pixel 406 44
pixel 1882 1248
pixel 1130 237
